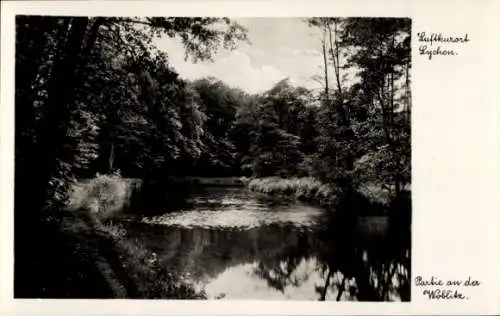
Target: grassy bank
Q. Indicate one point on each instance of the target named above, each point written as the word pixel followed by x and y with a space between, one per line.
pixel 303 189
pixel 311 190
pixel 85 255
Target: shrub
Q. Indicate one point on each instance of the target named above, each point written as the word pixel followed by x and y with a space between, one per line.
pixel 305 189
pixel 104 195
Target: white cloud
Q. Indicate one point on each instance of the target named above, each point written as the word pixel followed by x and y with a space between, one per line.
pixel 310 52
pixel 273 55
pixel 233 67
pixel 254 52
pixel 300 52
pixel 237 70
pixel 248 68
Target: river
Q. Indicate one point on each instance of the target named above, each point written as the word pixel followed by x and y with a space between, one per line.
pixel 231 243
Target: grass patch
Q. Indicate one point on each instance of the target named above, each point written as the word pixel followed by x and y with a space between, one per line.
pixel 103 195
pixel 306 189
pixel 311 190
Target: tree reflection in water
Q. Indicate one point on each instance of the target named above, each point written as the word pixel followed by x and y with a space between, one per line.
pixel 363 258
pixel 352 268
pixel 361 265
pixel 279 271
pixel 341 257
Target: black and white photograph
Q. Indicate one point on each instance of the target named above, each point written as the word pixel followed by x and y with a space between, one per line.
pixel 213 158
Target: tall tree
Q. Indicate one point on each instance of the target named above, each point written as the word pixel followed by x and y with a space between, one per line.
pixel 383 56
pixel 334 161
pixel 73 51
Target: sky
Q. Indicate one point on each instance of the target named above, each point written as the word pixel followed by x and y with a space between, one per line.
pixel 280 48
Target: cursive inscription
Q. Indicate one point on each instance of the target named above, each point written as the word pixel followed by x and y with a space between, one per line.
pixel 439 44
pixel 438 289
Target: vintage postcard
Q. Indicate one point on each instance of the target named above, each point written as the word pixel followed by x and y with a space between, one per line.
pixel 250 158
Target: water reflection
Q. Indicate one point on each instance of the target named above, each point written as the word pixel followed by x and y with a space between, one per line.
pixel 236 245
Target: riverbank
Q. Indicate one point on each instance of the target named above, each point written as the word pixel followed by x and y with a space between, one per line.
pixel 85 254
pixel 80 257
pixel 81 253
pixel 303 189
pixel 311 190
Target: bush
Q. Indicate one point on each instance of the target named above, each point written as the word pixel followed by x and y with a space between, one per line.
pixel 309 189
pixel 104 195
pixel 375 193
pixel 305 189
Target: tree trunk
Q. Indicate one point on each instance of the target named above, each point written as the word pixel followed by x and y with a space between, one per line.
pixel 325 62
pixel 334 51
pixel 391 82
pixel 54 127
pixel 89 44
pixel 341 289
pixel 327 284
pixel 345 126
pixel 111 157
pixel 398 184
pixel 408 94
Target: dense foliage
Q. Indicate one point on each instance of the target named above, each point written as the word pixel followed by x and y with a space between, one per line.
pixel 94 95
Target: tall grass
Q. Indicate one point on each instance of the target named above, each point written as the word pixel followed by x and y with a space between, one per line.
pixel 304 189
pixel 103 195
pixel 309 189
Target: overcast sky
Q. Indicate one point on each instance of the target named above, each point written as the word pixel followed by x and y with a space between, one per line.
pixel 280 48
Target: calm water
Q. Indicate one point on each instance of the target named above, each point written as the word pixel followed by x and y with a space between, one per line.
pixel 235 244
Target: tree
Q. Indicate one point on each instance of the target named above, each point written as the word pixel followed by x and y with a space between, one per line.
pixel 363 133
pixel 244 131
pixel 278 125
pixel 334 160
pixel 219 103
pixel 383 57
pixel 72 51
